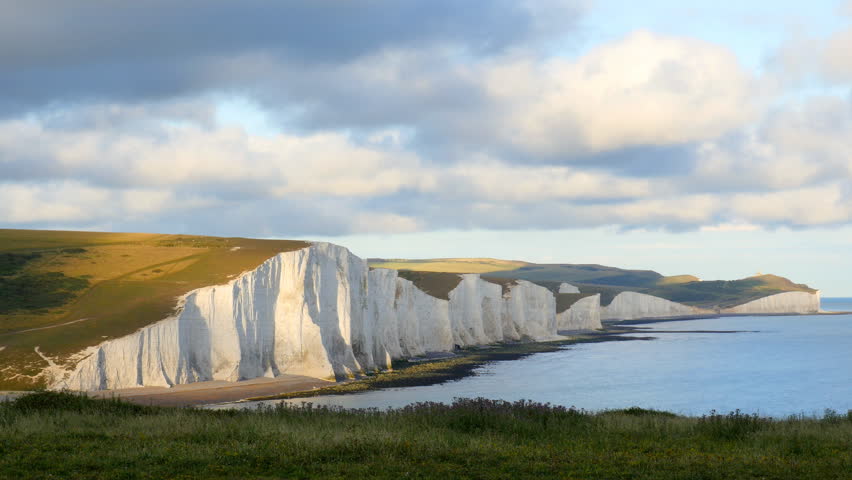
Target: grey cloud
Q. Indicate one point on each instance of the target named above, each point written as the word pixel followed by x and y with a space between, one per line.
pixel 494 134
pixel 54 51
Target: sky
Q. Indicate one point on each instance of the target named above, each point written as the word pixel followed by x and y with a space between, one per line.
pixel 693 137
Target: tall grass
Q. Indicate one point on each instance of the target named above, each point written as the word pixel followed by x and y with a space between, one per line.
pixel 56 435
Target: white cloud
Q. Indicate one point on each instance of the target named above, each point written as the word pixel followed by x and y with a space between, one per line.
pixel 800 145
pixel 784 172
pixel 823 205
pixel 645 89
pixel 673 211
pixel 70 202
pixel 401 139
pixel 836 59
pixel 731 227
pixel 834 53
pixel 492 180
pixel 384 222
pixel 183 156
pixel 49 203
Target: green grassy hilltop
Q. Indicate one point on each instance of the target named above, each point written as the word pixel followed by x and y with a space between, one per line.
pixel 610 281
pixel 65 291
pixel 55 435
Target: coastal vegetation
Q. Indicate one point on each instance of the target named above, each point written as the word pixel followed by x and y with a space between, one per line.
pixel 60 435
pixel 97 286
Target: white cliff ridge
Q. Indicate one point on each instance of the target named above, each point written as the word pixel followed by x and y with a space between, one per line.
pixel 632 306
pixel 584 314
pixel 787 302
pixel 317 312
pixel 321 312
pixel 568 288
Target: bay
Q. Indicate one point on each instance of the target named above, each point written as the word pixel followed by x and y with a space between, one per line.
pixel 769 365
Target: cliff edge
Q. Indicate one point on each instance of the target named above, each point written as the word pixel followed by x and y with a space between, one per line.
pixel 319 311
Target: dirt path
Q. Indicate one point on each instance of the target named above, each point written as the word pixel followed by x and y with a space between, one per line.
pixel 201 393
pixel 43 328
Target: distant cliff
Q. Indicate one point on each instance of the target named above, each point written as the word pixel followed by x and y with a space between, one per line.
pixel 788 302
pixel 632 305
pixel 584 314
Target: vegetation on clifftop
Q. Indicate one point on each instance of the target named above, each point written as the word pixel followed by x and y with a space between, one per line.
pixel 65 291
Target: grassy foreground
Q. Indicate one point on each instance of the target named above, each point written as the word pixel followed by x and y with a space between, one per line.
pixel 56 435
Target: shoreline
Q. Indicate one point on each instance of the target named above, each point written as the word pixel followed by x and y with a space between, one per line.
pixel 431 369
pixel 680 318
pixel 446 369
pixel 418 372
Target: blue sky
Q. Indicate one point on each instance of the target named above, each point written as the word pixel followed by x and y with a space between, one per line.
pixel 699 138
pixel 753 29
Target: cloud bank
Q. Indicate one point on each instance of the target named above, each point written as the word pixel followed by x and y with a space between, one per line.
pixel 401 117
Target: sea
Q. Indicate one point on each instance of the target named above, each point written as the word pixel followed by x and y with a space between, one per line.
pixel 775 366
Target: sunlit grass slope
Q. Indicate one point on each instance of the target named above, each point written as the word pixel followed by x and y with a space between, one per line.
pixel 65 291
pixel 56 435
pixel 448 265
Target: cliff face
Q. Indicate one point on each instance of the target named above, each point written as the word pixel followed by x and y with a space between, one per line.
pixel 318 312
pixel 632 306
pixel 321 312
pixel 299 312
pixel 568 288
pixel 584 314
pixel 787 302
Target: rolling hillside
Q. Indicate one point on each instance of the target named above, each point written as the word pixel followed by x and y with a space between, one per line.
pixel 65 291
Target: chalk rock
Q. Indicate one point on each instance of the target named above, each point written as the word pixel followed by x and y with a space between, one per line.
pixel 584 314
pixel 787 302
pixel 633 305
pixel 319 312
pixel 423 321
pixel 568 288
pixel 529 313
pixel 299 312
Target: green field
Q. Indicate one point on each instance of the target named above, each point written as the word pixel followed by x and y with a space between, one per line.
pixel 65 291
pixel 54 435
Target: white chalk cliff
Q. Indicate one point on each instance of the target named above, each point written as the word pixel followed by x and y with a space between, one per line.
pixel 584 314
pixel 568 288
pixel 787 302
pixel 633 306
pixel 320 312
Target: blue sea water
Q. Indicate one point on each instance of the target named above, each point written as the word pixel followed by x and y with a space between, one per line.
pixel 773 365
